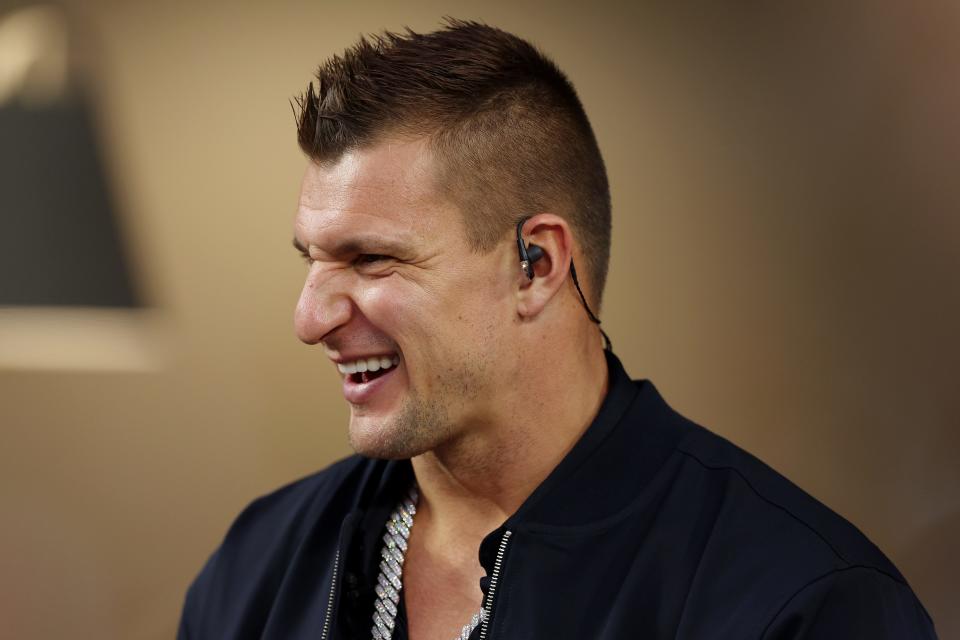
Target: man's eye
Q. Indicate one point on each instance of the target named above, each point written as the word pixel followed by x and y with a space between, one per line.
pixel 306 258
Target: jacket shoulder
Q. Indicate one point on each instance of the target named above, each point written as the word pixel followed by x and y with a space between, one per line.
pixel 289 507
pixel 797 561
pixel 767 496
pixel 852 602
pixel 247 569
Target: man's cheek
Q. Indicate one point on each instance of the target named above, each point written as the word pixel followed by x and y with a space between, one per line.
pixel 395 309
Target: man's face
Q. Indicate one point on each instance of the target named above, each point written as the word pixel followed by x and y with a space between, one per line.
pixel 394 289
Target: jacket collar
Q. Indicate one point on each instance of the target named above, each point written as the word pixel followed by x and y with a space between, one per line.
pixel 604 474
pixel 611 466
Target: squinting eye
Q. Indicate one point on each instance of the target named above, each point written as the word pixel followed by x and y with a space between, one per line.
pixel 370 258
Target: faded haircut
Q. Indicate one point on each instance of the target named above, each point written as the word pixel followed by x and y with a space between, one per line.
pixel 506 124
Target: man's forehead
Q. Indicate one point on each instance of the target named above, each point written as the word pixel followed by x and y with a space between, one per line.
pixel 390 179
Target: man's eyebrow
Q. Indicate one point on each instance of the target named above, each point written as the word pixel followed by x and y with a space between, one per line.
pixel 351 246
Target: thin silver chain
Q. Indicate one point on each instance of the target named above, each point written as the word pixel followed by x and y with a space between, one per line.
pixel 389 581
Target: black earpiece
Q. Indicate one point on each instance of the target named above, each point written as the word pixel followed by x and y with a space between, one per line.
pixel 530 253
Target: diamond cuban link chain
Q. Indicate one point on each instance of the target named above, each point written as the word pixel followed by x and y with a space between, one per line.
pixel 389 581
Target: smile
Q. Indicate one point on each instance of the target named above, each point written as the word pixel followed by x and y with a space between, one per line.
pixel 366 369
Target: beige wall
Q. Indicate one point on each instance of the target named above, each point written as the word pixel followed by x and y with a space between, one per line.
pixel 785 261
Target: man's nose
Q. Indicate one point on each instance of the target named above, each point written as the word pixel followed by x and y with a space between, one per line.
pixel 322 308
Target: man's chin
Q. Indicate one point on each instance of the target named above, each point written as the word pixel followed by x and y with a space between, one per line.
pixel 378 438
pixel 398 436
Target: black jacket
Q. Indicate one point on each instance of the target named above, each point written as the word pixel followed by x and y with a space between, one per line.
pixel 651 527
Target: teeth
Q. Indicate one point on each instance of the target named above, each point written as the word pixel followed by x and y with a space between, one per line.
pixel 375 363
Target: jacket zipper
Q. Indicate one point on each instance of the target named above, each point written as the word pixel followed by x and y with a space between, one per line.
pixel 494 579
pixel 333 592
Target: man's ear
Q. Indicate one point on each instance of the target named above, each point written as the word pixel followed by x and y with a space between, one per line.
pixel 552 235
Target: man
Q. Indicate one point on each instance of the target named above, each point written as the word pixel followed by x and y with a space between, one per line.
pixel 512 481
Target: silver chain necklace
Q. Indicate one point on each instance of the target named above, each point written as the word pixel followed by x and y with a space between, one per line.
pixel 389 583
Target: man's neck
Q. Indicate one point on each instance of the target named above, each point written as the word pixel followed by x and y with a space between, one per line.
pixel 471 486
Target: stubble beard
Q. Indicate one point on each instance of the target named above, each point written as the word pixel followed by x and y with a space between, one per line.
pixel 421 424
pixel 416 428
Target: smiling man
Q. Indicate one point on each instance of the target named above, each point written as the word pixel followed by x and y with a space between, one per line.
pixel 511 480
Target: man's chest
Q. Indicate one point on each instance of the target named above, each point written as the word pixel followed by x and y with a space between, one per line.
pixel 441 594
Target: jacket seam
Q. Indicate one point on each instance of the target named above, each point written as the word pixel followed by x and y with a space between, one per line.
pixel 789 513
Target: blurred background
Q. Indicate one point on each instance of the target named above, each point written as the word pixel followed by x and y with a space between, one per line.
pixel 785 268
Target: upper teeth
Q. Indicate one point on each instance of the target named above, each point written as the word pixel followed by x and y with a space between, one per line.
pixel 368 364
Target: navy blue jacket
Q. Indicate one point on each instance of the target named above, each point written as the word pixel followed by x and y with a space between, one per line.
pixel 651 527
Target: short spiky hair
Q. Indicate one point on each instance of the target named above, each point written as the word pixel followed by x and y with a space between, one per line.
pixel 505 122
